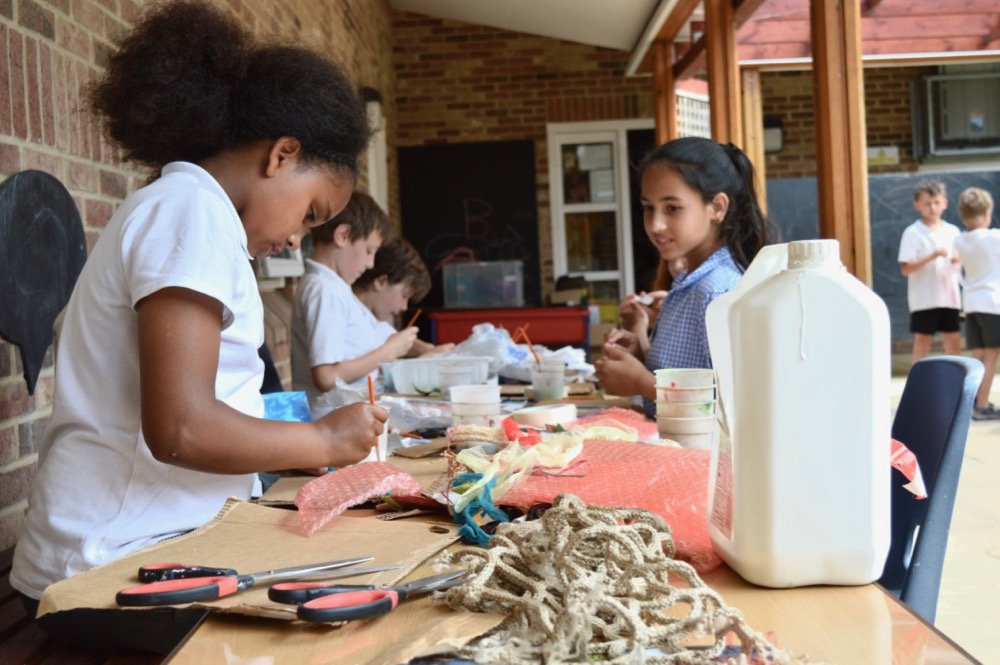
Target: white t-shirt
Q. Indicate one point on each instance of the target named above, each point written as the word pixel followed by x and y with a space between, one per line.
pixel 980 252
pixel 329 325
pixel 99 494
pixel 936 284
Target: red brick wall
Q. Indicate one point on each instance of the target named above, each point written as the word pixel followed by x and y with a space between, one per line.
pixel 789 96
pixel 459 83
pixel 49 49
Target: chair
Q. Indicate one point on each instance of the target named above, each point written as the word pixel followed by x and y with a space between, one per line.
pixel 932 420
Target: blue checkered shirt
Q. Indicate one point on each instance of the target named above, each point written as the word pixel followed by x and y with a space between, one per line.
pixel 679 336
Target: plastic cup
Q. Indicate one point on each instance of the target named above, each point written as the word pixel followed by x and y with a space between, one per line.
pixel 686 395
pixel 672 425
pixel 475 405
pixel 685 409
pixel 548 381
pixel 456 374
pixel 682 377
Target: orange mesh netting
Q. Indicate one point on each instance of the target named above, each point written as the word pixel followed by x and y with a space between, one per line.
pixel 670 482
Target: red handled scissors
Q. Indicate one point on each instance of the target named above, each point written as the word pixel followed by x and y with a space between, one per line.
pixel 187 584
pixel 345 602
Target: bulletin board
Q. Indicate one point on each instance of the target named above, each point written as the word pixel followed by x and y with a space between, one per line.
pixel 474 201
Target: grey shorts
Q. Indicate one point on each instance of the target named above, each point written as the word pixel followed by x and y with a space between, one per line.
pixel 982 330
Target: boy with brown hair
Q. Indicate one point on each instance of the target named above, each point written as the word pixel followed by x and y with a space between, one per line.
pixel 398 278
pixel 927 259
pixel 979 249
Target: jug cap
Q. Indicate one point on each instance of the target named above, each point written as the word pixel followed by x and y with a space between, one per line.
pixel 806 252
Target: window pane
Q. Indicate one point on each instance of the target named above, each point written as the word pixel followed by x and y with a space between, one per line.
pixel 591 241
pixel 588 173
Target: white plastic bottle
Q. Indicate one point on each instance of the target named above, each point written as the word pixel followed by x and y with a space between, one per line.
pixel 799 492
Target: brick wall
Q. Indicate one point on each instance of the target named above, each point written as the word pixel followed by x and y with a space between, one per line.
pixel 789 97
pixel 459 83
pixel 49 49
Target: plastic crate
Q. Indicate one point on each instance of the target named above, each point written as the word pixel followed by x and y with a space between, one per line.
pixel 484 284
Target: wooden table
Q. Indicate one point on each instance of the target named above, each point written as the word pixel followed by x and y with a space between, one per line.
pixel 843 625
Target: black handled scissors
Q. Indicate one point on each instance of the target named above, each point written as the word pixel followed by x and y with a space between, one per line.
pixel 345 602
pixel 188 589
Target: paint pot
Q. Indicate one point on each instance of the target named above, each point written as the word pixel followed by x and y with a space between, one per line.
pixel 475 405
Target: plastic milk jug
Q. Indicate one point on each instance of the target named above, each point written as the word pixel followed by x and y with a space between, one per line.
pixel 799 490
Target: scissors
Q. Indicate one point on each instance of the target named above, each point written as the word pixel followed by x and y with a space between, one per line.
pixel 320 602
pixel 187 584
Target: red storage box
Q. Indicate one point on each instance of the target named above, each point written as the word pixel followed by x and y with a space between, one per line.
pixel 553 327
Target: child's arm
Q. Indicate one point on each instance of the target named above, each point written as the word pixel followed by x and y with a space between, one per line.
pixel 424 349
pixel 910 267
pixel 183 422
pixel 396 346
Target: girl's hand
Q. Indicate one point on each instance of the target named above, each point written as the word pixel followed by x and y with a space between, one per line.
pixel 352 431
pixel 620 373
pixel 637 310
pixel 624 340
pixel 399 343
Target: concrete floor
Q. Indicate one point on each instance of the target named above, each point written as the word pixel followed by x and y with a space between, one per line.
pixel 971 579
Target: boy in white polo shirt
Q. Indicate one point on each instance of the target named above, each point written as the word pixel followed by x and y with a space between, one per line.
pixel 927 258
pixel 979 249
pixel 333 333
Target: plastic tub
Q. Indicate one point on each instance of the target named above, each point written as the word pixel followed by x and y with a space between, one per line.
pixel 475 405
pixel 671 394
pixel 685 377
pixel 686 409
pixel 669 425
pixel 420 376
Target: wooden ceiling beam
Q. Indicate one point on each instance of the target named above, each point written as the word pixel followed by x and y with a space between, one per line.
pixel 677 20
pixel 913 30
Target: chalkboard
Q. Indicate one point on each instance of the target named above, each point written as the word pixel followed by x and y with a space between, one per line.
pixel 475 201
pixel 792 203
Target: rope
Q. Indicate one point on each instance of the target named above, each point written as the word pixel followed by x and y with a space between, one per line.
pixel 597 584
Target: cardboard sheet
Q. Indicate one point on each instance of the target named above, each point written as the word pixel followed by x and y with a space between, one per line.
pixel 252 538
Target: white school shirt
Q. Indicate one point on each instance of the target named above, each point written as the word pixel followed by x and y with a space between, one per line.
pixel 936 284
pixel 329 325
pixel 980 253
pixel 99 494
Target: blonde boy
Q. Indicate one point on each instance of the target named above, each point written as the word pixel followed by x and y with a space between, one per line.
pixel 979 249
pixel 927 258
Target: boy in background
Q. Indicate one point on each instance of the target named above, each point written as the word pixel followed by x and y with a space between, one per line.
pixel 928 260
pixel 332 331
pixel 398 278
pixel 979 249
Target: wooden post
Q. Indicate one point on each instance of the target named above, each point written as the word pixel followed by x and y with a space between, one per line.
pixel 723 71
pixel 664 92
pixel 753 131
pixel 842 169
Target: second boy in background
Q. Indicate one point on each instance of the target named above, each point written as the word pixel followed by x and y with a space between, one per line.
pixel 398 278
pixel 979 250
pixel 332 333
pixel 928 260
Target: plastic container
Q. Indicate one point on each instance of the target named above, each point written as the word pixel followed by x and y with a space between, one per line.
pixel 548 380
pixel 475 405
pixel 419 376
pixel 685 409
pixel 799 488
pixel 684 377
pixel 685 395
pixel 484 284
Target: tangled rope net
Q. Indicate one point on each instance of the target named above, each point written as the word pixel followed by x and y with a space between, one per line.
pixel 587 583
